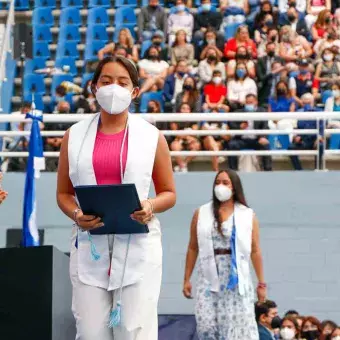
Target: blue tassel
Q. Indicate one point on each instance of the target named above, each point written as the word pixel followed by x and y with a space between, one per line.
pixel 95 255
pixel 115 316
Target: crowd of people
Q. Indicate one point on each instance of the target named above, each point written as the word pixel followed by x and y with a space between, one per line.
pixel 239 56
pixel 292 326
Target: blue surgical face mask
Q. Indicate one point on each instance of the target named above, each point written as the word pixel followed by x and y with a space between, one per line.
pixel 89 89
pixel 304 72
pixel 307 107
pixel 241 73
pixel 206 7
pixel 293 74
pixel 249 107
pixel 181 8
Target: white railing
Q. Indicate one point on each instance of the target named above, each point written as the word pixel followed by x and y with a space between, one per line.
pixel 6 47
pixel 199 117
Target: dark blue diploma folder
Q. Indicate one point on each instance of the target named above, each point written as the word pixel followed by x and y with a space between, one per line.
pixel 114 204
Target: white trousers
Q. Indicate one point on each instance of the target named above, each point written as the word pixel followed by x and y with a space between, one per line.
pixel 91 308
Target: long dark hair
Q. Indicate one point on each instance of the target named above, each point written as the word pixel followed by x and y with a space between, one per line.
pixel 238 195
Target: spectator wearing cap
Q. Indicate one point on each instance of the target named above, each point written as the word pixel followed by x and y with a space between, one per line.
pixel 189 95
pixel 215 92
pixel 297 24
pixel 267 319
pixel 207 66
pixel 174 85
pixel 242 55
pixel 204 19
pixel 250 141
pixel 211 40
pixel 300 5
pixel 306 142
pixel 152 18
pixel 181 19
pixel 301 81
pixel 152 71
pixel 241 39
pixel 240 87
pixel 125 41
pixel 181 49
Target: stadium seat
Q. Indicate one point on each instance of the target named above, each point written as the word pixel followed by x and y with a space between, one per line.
pixel 34 64
pixel 21 5
pixel 146 97
pixel 278 142
pixel 42 33
pixel 70 16
pixel 86 77
pixel 72 3
pixel 44 3
pixel 334 141
pixel 125 16
pixel 99 3
pixel 213 3
pixel 230 30
pixel 97 32
pixel 67 61
pixel 69 33
pixel 40 49
pixel 325 95
pixel 42 16
pixel 58 79
pixel 97 16
pixel 34 83
pixel 92 48
pixel 38 100
pixel 146 2
pixel 126 3
pixel 118 28
pixel 67 49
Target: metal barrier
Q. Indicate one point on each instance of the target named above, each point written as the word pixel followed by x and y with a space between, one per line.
pixel 199 117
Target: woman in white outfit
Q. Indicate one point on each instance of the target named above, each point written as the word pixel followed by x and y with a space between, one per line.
pixel 116 279
pixel 225 238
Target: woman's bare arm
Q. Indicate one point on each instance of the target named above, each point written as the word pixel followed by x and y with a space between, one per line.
pixel 256 253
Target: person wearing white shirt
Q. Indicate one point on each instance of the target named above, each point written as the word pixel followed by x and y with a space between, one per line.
pixel 300 5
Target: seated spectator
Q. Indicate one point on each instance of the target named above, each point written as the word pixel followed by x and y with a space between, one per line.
pixel 174 85
pixel 282 101
pixel 310 328
pixel 154 106
pixel 322 24
pixel 297 24
pixel 314 7
pixel 158 42
pixel 182 19
pixel 189 95
pixel 249 141
pixel 328 71
pixel 204 19
pixel 181 49
pixel 152 71
pixel 240 87
pixel 207 66
pixel 333 102
pixel 151 19
pixel 184 143
pixel 336 334
pixel 215 92
pixel 241 39
pixel 305 142
pixel 327 328
pixel 330 40
pixel 261 35
pixel 234 11
pixel 301 82
pixel 242 55
pixel 267 319
pixel 285 4
pixel 292 46
pixel 266 8
pixel 289 328
pixel 125 41
pixel 211 40
pixel 87 102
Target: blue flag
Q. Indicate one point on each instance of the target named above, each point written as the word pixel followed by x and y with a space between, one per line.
pixel 35 163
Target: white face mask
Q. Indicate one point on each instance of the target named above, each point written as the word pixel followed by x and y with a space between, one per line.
pixel 287 333
pixel 222 192
pixel 336 93
pixel 336 337
pixel 217 80
pixel 113 98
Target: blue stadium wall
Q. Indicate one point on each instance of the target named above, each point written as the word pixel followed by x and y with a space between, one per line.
pixel 300 234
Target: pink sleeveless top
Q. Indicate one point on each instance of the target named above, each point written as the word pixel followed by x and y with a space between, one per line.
pixel 106 154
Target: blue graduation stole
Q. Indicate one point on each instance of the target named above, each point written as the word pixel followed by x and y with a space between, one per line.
pixel 233 276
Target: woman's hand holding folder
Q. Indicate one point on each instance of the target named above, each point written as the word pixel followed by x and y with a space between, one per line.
pixel 87 222
pixel 145 215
